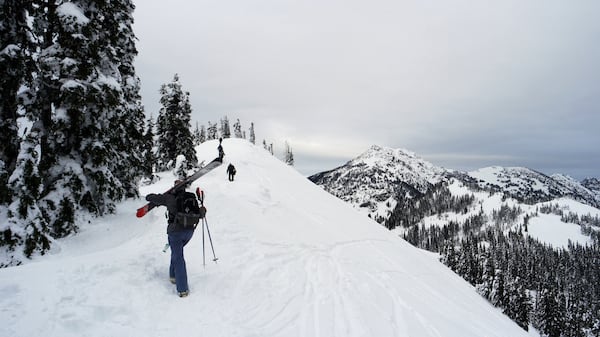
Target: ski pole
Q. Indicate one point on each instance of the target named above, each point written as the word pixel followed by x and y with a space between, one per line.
pixel 203 254
pixel 209 238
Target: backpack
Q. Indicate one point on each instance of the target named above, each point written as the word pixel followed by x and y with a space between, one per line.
pixel 188 212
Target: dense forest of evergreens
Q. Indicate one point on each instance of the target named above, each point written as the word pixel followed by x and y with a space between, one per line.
pixel 555 290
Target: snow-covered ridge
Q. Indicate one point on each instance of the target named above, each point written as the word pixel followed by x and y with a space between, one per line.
pixel 530 186
pixel 293 261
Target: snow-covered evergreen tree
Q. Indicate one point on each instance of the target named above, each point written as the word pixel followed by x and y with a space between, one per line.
pixel 237 129
pixel 485 287
pixel 289 155
pixel 550 314
pixel 202 137
pixel 173 127
pixel 97 116
pixel 211 131
pixel 252 135
pixel 197 135
pixel 149 154
pixel 128 125
pixel 517 303
pixel 224 129
pixel 84 107
pixel 497 295
pixel 27 229
pixel 16 67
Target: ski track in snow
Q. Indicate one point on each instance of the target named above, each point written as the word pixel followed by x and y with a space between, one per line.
pixel 286 267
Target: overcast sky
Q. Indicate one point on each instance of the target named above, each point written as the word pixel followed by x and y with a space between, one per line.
pixel 463 84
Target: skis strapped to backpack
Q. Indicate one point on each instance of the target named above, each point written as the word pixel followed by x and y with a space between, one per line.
pixel 181 185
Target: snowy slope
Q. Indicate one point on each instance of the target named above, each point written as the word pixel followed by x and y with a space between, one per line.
pixel 293 261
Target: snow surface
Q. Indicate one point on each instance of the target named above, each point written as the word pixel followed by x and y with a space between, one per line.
pixel 293 261
pixel 549 229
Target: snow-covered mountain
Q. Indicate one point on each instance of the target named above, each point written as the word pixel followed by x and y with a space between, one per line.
pixel 373 181
pixel 293 261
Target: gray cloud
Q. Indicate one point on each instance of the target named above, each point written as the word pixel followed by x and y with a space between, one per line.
pixel 464 84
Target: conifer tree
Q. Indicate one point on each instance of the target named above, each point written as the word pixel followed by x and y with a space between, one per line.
pixel 84 108
pixel 97 112
pixel 16 67
pixel 224 129
pixel 237 129
pixel 549 312
pixel 197 135
pixel 128 123
pixel 211 131
pixel 149 155
pixel 173 127
pixel 498 294
pixel 202 137
pixel 289 156
pixel 252 135
pixel 485 287
pixel 27 230
pixel 517 303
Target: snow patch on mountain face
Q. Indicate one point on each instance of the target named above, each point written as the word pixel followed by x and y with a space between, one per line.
pixel 549 228
pixel 293 261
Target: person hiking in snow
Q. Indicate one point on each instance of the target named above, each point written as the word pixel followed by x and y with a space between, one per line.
pixel 231 171
pixel 179 232
pixel 220 148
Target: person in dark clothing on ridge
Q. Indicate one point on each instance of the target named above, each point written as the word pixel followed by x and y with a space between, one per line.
pixel 178 238
pixel 231 171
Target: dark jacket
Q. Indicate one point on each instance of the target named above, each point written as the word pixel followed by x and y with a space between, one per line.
pixel 169 200
pixel 231 169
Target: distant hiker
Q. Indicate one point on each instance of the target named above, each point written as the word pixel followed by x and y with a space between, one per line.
pixel 231 171
pixel 220 148
pixel 180 230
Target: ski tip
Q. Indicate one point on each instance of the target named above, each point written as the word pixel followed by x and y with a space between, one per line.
pixel 141 212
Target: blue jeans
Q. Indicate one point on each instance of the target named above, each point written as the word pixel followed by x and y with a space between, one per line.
pixel 177 240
